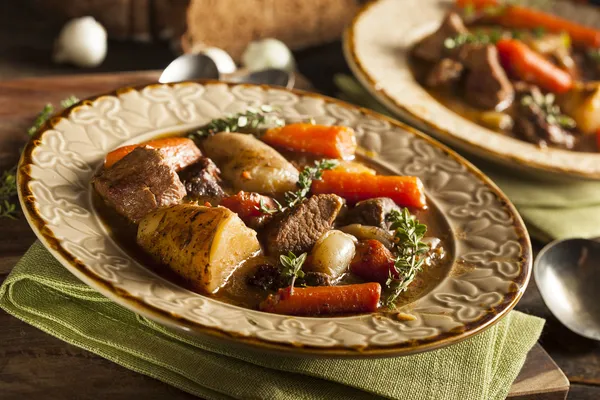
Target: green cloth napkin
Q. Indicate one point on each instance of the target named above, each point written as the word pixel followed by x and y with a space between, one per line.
pixel 552 210
pixel 44 294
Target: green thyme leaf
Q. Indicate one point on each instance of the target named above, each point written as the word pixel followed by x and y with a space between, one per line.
pixel 42 117
pixel 304 183
pixel 69 101
pixel 409 251
pixel 246 122
pixel 291 266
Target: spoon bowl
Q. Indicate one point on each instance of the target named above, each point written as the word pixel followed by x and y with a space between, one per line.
pixel 200 66
pixel 272 76
pixel 567 273
pixel 190 66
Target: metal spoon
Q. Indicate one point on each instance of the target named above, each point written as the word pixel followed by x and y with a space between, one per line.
pixel 567 273
pixel 200 66
pixel 190 66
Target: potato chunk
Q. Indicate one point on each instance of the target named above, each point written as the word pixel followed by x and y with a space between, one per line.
pixel 204 245
pixel 249 164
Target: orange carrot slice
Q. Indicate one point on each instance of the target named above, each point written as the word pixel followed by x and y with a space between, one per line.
pixel 328 141
pixel 517 58
pixel 406 191
pixel 319 300
pixel 179 152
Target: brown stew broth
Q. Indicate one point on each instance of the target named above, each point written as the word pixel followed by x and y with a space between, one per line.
pixel 237 292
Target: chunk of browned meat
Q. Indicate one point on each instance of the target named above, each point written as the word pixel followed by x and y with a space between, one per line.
pixel 444 73
pixel 140 182
pixel 299 228
pixel 201 181
pixel 532 124
pixel 372 212
pixel 432 47
pixel 487 85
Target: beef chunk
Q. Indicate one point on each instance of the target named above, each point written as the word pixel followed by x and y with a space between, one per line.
pixel 201 181
pixel 487 85
pixel 372 212
pixel 140 182
pixel 299 228
pixel 444 73
pixel 532 122
pixel 432 47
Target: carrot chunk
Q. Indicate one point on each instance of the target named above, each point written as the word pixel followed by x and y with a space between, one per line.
pixel 406 191
pixel 179 152
pixel 517 58
pixel 323 140
pixel 319 300
pixel 373 262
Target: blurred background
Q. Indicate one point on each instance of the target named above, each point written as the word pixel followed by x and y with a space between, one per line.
pixel 148 34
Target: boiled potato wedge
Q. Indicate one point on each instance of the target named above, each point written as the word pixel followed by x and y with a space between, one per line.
pixel 204 245
pixel 249 164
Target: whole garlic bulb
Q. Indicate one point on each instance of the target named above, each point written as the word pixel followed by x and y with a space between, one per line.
pixel 222 59
pixel 82 42
pixel 268 53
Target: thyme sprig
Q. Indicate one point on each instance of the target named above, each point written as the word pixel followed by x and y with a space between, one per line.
pixel 291 267
pixel 8 189
pixel 247 122
pixel 409 251
pixel 8 179
pixel 304 183
pixel 41 118
pixel 69 101
pixel 551 110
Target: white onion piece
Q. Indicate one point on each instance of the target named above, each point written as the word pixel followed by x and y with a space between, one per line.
pixel 366 232
pixel 332 254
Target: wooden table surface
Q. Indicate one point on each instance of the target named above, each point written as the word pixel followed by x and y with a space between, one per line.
pixel 36 365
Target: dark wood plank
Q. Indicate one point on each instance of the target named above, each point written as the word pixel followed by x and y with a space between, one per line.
pixel 583 392
pixel 539 378
pixel 34 365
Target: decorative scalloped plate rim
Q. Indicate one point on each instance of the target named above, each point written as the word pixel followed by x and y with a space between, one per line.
pixel 386 76
pixel 485 268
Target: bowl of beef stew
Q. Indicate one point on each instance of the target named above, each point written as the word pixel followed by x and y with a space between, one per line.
pixel 275 219
pixel 513 83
